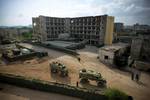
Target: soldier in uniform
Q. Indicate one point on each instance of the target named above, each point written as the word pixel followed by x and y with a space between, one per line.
pixel 79 59
pixel 77 83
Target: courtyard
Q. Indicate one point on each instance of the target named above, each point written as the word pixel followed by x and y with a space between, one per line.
pixel 39 69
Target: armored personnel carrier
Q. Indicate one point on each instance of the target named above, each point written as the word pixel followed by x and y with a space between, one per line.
pixel 86 75
pixel 8 53
pixel 41 54
pixel 59 68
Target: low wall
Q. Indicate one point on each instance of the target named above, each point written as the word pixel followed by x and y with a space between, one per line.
pixel 72 52
pixel 20 57
pixel 51 87
pixel 76 46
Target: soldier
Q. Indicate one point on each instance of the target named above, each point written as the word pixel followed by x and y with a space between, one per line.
pixel 137 76
pixel 132 75
pixel 79 59
pixel 133 71
pixel 77 84
pixel 130 98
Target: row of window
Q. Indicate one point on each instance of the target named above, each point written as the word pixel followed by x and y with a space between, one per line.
pixel 49 19
pixel 85 32
pixel 82 24
pixel 77 21
pixel 75 32
pixel 86 19
pixel 75 28
pixel 51 23
pixel 84 28
pixel 54 32
pixel 55 28
pixel 85 36
pixel 52 36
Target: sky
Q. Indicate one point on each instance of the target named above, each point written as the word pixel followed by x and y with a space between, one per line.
pixel 20 12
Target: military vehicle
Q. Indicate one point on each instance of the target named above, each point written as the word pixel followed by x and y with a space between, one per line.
pixel 59 68
pixel 16 51
pixel 8 53
pixel 41 54
pixel 86 75
pixel 25 51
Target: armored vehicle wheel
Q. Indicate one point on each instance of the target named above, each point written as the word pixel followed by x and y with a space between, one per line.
pixel 64 74
pixel 84 80
pixel 101 83
pixel 53 70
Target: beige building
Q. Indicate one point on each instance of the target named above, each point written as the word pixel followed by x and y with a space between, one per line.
pixel 113 53
pixel 97 30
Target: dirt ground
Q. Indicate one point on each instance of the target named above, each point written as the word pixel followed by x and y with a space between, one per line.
pixel 115 78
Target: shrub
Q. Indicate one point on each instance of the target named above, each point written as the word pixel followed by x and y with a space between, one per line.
pixel 115 94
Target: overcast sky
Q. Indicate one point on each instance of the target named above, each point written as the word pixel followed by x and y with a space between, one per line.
pixel 20 12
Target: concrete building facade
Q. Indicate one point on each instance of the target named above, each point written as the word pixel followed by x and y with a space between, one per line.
pixel 140 48
pixel 97 30
pixel 113 54
pixel 141 28
pixel 140 52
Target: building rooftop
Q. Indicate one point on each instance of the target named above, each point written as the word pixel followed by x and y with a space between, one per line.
pixel 72 17
pixel 114 47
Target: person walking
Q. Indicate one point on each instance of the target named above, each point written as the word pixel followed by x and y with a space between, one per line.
pixel 137 77
pixel 138 74
pixel 133 72
pixel 77 84
pixel 79 59
pixel 132 75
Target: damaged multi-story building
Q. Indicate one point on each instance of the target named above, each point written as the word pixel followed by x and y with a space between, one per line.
pixel 140 51
pixel 140 48
pixel 97 30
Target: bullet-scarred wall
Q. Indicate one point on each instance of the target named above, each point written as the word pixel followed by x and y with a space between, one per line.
pixel 96 30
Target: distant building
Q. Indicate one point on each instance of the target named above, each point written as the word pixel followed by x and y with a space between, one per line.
pixel 11 33
pixel 118 27
pixel 140 48
pixel 140 51
pixel 114 54
pixel 97 30
pixel 122 34
pixel 128 27
pixel 8 33
pixel 125 39
pixel 24 30
pixel 141 28
pixel 130 32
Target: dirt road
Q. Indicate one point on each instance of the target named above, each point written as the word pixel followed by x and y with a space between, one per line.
pixel 115 78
